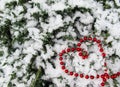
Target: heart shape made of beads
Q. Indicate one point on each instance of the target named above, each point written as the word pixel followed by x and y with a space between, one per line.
pixel 82 53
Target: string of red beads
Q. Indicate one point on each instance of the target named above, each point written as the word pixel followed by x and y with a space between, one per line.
pixel 84 55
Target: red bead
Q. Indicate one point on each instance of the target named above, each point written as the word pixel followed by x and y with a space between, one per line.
pixel 85 37
pixel 78 49
pixel 87 77
pixel 90 38
pixel 76 74
pixel 118 73
pixel 71 73
pixel 81 40
pixel 86 56
pixel 60 58
pixel 66 71
pixel 91 77
pixel 102 76
pixel 81 75
pixel 80 54
pixel 60 54
pixel 99 45
pixel 73 49
pixel 83 57
pixel 112 76
pixel 68 49
pixel 97 76
pixel 63 51
pixel 104 80
pixel 102 84
pixel 105 64
pixel 106 70
pixel 101 49
pixel 115 75
pixel 98 41
pixel 94 39
pixel 63 67
pixel 79 44
pixel 61 63
pixel 106 75
pixel 103 54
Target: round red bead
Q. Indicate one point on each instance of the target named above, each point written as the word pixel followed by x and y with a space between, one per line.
pixel 66 71
pixel 60 58
pixel 87 77
pixel 78 49
pixel 94 39
pixel 102 76
pixel 68 49
pixel 79 44
pixel 63 67
pixel 83 57
pixel 63 51
pixel 73 49
pixel 118 73
pixel 104 80
pixel 102 84
pixel 90 38
pixel 81 75
pixel 103 54
pixel 85 37
pixel 99 45
pixel 97 76
pixel 60 54
pixel 81 40
pixel 105 64
pixel 80 54
pixel 76 74
pixel 71 73
pixel 61 63
pixel 91 77
pixel 101 49
pixel 98 41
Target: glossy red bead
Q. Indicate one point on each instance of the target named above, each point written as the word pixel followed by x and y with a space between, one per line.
pixel 79 44
pixel 78 49
pixel 100 45
pixel 90 38
pixel 102 84
pixel 102 76
pixel 105 64
pixel 71 73
pixel 63 51
pixel 68 50
pixel 80 54
pixel 101 49
pixel 63 67
pixel 66 71
pixel 81 40
pixel 104 80
pixel 97 76
pixel 85 38
pixel 87 77
pixel 76 74
pixel 73 49
pixel 103 54
pixel 98 41
pixel 81 75
pixel 94 39
pixel 60 58
pixel 60 54
pixel 61 63
pixel 91 77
